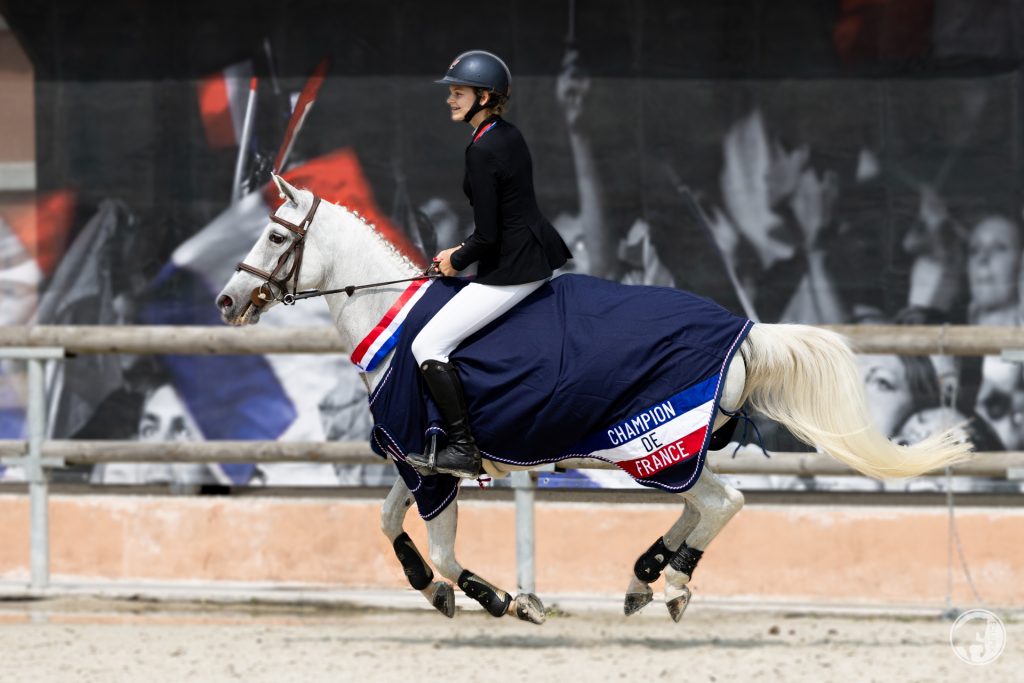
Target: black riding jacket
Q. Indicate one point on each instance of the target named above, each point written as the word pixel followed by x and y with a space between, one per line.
pixel 513 242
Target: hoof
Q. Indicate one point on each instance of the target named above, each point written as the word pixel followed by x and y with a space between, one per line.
pixel 444 599
pixel 530 608
pixel 677 605
pixel 637 601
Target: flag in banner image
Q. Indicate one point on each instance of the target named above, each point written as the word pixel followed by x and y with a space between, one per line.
pixel 269 397
pixel 222 98
pixel 33 237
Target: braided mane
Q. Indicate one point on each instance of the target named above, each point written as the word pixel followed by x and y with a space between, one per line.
pixel 396 243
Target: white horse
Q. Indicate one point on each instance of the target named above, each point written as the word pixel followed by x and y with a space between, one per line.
pixel 803 377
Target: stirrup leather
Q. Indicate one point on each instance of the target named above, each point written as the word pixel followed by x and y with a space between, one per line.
pixel 425 462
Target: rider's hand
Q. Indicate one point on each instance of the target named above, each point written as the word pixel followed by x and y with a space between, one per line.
pixel 444 261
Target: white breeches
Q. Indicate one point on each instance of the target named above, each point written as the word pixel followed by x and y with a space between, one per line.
pixel 469 311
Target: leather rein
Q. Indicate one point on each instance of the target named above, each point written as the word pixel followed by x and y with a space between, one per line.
pixel 264 294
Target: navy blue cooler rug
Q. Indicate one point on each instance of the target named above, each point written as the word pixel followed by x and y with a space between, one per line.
pixel 583 367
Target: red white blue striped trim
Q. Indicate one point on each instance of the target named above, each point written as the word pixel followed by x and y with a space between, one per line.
pixel 383 337
pixel 483 130
pixel 659 437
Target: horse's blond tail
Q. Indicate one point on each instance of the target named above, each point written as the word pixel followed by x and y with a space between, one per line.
pixel 806 378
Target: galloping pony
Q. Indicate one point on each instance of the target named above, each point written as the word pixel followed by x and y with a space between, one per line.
pixel 638 376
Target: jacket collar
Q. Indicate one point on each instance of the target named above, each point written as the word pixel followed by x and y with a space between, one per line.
pixel 483 124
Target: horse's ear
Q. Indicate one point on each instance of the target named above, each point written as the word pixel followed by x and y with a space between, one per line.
pixel 287 191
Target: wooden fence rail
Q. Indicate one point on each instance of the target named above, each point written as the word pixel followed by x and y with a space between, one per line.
pixel 747 461
pixel 956 340
pixel 37 344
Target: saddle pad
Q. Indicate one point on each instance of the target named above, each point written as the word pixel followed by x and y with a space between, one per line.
pixel 583 367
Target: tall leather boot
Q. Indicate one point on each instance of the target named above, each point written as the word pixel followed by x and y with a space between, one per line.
pixel 460 457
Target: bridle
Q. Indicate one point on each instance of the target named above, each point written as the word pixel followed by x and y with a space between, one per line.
pixel 264 294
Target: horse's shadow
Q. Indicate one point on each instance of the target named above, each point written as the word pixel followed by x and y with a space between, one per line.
pixel 559 642
pixel 665 644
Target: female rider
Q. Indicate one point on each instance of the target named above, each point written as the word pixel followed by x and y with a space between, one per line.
pixel 513 244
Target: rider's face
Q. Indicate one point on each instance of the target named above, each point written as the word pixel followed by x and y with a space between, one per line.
pixel 460 101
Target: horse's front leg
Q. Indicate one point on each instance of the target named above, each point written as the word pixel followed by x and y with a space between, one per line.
pixel 438 593
pixel 441 532
pixel 648 567
pixel 718 503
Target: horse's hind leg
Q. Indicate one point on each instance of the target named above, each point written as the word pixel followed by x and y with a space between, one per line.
pixel 717 502
pixel 648 567
pixel 441 533
pixel 439 593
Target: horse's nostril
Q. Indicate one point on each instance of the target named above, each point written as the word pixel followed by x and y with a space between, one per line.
pixel 225 301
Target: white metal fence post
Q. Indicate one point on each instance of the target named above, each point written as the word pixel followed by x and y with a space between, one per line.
pixel 33 462
pixel 37 476
pixel 522 483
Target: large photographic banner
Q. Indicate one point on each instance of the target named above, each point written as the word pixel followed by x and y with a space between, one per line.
pixel 793 164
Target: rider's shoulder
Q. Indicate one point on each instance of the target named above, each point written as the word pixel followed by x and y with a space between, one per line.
pixel 503 143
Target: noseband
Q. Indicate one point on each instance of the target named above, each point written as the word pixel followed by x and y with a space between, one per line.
pixel 264 294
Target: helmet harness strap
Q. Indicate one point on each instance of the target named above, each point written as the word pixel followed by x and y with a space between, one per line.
pixel 477 107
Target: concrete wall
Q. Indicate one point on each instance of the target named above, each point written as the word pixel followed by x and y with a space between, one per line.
pixel 17 116
pixel 841 554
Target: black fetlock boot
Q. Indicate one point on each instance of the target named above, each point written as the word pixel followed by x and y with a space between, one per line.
pixel 461 457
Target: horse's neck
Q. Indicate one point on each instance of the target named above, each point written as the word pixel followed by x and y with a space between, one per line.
pixel 358 255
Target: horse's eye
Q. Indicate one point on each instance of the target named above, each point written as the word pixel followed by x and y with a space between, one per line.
pixel 275 238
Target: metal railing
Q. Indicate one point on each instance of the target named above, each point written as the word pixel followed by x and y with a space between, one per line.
pixel 910 340
pixel 40 344
pixel 32 459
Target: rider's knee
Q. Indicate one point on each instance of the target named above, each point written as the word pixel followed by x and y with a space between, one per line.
pixel 423 350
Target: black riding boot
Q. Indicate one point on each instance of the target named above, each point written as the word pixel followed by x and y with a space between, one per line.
pixel 461 457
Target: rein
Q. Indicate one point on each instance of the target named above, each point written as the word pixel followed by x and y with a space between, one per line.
pixel 290 299
pixel 264 294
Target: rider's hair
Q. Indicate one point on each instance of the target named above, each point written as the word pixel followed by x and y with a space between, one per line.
pixel 500 105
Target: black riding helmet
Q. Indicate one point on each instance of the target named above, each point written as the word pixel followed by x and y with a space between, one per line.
pixel 480 69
